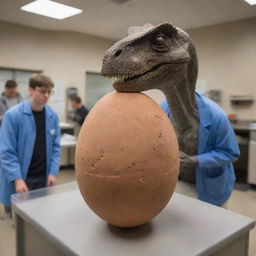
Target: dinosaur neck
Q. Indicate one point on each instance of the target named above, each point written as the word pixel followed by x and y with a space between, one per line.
pixel 184 115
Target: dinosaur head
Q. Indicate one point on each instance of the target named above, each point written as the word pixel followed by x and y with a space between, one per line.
pixel 151 57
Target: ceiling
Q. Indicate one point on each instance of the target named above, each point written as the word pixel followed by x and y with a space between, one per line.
pixel 111 18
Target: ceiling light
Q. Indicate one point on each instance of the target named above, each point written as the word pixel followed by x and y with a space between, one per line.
pixel 251 2
pixel 51 9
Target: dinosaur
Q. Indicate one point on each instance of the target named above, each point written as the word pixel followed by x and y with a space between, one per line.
pixel 161 57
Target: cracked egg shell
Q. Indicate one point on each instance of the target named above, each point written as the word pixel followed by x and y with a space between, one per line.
pixel 127 159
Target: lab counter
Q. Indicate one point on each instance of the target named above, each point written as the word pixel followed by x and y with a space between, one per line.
pixel 246 164
pixel 244 126
pixel 56 221
pixel 68 145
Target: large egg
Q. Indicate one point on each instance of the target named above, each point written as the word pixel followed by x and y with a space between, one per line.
pixel 127 159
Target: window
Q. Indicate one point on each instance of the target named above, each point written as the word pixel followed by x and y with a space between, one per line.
pixel 20 76
pixel 96 87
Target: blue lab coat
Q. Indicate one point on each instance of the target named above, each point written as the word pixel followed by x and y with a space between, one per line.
pixel 17 139
pixel 217 149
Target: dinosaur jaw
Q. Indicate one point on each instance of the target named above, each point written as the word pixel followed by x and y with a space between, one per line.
pixel 142 81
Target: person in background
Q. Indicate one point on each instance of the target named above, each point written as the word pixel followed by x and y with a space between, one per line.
pixel 9 97
pixel 29 143
pixel 80 110
pixel 217 149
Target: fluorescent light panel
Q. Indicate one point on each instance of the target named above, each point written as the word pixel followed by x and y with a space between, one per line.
pixel 251 2
pixel 51 9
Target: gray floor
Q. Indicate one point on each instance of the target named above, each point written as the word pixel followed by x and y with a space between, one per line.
pixel 243 202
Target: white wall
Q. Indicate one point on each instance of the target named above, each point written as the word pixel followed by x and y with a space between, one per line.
pixel 64 56
pixel 226 53
pixel 227 61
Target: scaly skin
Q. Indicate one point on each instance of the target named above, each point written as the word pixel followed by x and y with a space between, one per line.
pixel 160 57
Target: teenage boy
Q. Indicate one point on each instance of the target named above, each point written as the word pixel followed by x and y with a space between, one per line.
pixel 29 143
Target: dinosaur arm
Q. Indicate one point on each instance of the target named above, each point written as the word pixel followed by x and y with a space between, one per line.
pixel 188 161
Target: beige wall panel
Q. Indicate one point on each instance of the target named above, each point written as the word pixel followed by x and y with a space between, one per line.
pixel 65 56
pixel 226 53
pixel 227 60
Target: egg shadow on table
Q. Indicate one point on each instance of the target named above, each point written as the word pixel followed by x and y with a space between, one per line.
pixel 139 232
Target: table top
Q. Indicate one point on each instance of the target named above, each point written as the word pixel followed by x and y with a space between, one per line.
pixel 67 143
pixel 65 125
pixel 185 227
pixel 244 126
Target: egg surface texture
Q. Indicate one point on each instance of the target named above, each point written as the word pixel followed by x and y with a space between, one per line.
pixel 127 159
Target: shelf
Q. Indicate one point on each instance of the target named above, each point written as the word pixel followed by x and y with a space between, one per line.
pixel 241 99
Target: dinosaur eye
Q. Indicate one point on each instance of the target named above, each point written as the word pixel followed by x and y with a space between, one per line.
pixel 160 43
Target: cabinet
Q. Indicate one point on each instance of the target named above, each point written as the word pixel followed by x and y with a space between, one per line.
pixel 68 145
pixel 251 179
pixel 245 166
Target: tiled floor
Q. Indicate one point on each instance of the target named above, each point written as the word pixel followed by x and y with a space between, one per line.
pixel 243 202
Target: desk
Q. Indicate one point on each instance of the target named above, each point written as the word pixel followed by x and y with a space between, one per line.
pixel 56 221
pixel 67 145
pixel 246 161
pixel 65 125
pixel 67 151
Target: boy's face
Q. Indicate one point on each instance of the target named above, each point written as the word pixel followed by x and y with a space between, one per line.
pixel 40 95
pixel 10 92
pixel 73 104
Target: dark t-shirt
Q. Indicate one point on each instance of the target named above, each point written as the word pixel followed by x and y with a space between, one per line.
pixel 81 114
pixel 37 168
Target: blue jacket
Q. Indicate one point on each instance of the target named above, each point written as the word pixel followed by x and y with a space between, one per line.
pixel 17 139
pixel 217 149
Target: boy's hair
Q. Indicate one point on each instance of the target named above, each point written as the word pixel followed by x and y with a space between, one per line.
pixel 10 84
pixel 40 80
pixel 76 99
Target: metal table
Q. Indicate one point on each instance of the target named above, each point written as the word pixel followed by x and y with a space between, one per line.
pixel 56 221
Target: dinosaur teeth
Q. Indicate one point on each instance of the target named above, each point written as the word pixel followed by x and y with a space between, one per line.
pixel 127 78
pixel 122 77
pixel 118 78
